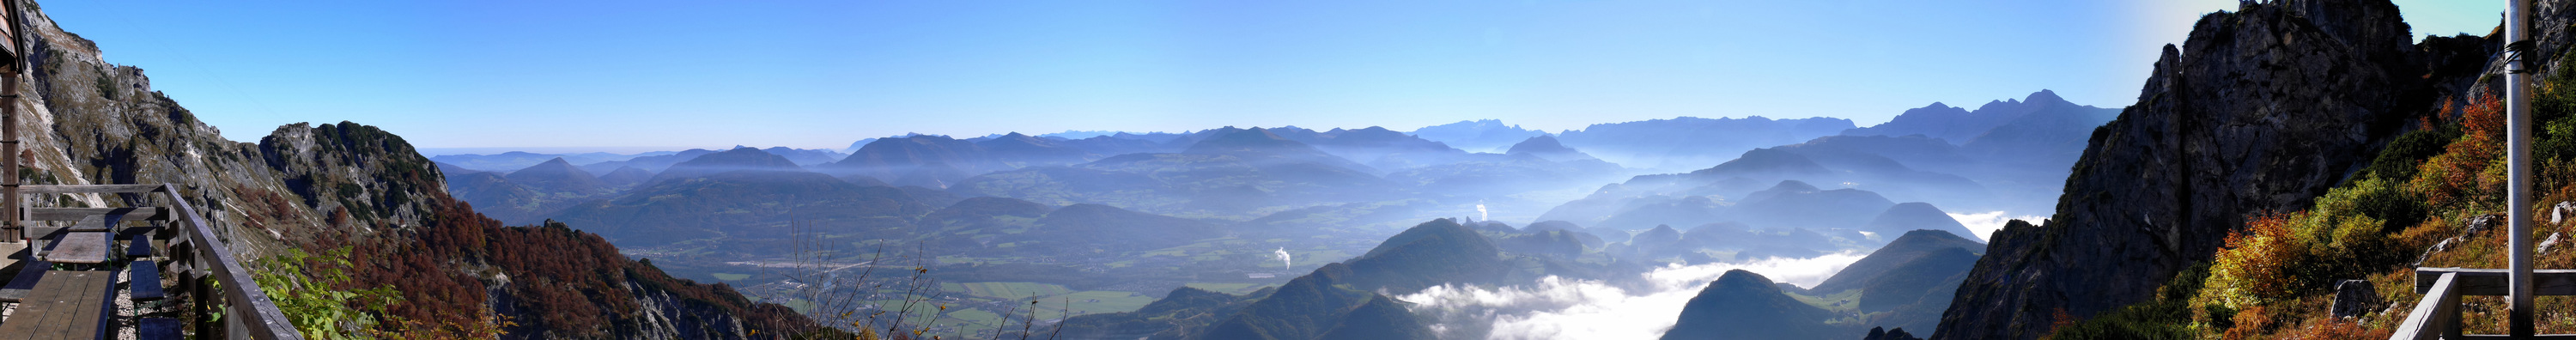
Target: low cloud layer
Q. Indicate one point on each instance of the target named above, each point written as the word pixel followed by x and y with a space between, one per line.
pixel 1985 224
pixel 1560 308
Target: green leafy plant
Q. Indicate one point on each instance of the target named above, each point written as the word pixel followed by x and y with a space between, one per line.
pixel 305 288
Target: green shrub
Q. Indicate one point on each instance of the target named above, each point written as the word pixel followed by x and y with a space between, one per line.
pixel 305 289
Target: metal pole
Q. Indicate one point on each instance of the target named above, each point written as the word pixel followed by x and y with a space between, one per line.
pixel 2517 89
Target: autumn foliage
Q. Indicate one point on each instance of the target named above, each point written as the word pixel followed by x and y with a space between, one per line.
pixel 558 280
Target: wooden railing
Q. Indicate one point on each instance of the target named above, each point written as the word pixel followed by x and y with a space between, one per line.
pixel 2438 315
pixel 198 255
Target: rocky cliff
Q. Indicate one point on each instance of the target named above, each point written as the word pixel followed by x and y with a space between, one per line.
pixel 349 186
pixel 2262 108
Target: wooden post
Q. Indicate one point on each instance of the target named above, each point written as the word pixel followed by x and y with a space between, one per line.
pixel 9 181
pixel 10 226
pixel 2517 89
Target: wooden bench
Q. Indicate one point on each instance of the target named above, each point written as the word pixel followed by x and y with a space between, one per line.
pixel 157 329
pixel 64 305
pixel 140 246
pixel 146 282
pixel 78 247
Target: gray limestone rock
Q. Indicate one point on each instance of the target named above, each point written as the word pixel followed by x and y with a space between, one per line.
pixel 2354 298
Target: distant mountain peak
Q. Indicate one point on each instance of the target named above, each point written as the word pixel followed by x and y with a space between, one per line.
pixel 1744 305
pixel 556 175
pixel 740 158
pixel 1766 161
pixel 1910 217
pixel 2044 96
pixel 1904 249
pixel 1793 186
pixel 1547 147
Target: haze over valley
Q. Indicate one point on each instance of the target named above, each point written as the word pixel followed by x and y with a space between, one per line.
pixel 1624 218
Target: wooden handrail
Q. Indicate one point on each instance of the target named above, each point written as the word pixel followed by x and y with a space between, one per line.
pixel 261 320
pixel 88 188
pixel 2437 316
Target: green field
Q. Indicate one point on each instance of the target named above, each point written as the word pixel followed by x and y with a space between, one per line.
pixel 1230 288
pixel 1007 290
pixel 1844 301
pixel 731 276
pixel 1100 301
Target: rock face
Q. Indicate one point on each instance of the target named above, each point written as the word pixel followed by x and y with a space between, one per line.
pixel 2261 109
pixel 2355 298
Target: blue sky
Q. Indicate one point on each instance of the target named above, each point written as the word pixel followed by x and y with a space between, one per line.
pixel 665 74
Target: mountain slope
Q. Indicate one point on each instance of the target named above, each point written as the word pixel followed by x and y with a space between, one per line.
pixel 555 175
pixel 1546 147
pixel 751 207
pixel 1914 244
pixel 736 159
pixel 1744 305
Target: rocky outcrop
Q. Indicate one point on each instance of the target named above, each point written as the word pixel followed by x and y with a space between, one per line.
pixel 2261 109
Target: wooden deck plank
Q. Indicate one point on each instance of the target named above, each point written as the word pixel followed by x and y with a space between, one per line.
pixel 17 287
pixel 12 252
pixel 80 247
pixel 65 305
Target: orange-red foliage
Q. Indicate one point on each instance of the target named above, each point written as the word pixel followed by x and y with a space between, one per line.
pixel 2257 261
pixel 2333 329
pixel 562 280
pixel 2466 172
pixel 2250 324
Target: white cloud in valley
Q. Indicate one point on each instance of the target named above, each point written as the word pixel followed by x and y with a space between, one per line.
pixel 1986 223
pixel 1561 308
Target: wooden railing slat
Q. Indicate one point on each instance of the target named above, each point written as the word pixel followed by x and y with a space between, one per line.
pixel 2496 282
pixel 76 214
pixel 87 188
